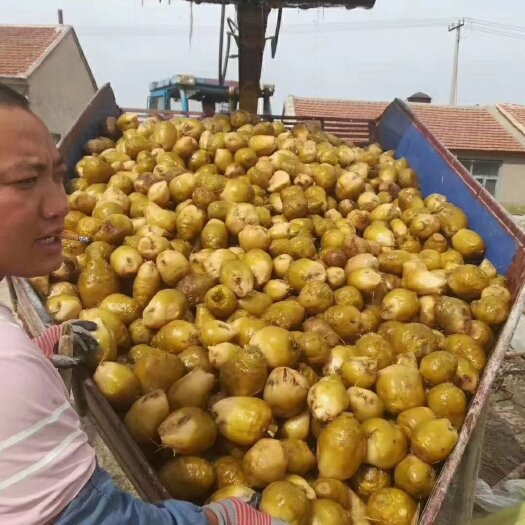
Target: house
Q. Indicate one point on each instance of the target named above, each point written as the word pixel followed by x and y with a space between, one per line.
pixel 488 140
pixel 46 64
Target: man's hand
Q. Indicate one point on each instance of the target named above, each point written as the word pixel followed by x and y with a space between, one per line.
pixel 212 518
pixel 85 344
pixel 236 512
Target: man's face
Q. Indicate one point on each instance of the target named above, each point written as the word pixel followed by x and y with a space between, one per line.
pixel 33 202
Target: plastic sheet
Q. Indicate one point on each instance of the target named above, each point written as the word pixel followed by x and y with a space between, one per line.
pixel 506 505
pixel 518 339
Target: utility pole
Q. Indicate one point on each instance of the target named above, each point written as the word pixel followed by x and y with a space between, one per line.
pixel 454 86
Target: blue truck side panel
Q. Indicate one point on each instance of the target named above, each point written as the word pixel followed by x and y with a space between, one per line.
pixel 397 131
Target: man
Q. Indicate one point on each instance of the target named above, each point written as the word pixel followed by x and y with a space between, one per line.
pixel 48 471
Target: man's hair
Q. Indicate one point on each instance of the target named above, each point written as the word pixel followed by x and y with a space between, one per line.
pixel 9 98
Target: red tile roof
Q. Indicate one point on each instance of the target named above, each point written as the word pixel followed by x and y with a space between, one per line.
pixel 464 128
pixel 467 128
pixel 516 112
pixel 21 47
pixel 338 108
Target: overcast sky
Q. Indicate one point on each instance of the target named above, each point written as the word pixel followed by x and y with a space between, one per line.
pixel 330 53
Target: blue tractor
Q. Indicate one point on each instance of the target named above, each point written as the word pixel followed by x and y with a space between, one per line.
pixel 214 96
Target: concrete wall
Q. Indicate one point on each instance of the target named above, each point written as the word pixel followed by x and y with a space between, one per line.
pixel 511 183
pixel 61 86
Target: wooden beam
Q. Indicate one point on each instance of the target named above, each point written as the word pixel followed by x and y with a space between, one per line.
pixel 251 20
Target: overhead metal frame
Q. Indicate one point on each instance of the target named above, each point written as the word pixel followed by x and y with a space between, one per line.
pixel 250 35
pixel 275 38
pixel 232 34
pixel 252 19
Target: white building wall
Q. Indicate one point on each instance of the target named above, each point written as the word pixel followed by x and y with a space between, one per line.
pixel 61 86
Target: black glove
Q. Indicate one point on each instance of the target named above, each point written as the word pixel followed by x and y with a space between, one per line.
pixel 84 344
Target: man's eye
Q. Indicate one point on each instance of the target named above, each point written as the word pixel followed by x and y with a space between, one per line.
pixel 26 183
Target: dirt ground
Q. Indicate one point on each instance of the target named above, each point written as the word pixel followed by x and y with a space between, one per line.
pixel 105 458
pixel 504 444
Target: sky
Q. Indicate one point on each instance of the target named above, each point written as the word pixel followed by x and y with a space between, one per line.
pixel 393 50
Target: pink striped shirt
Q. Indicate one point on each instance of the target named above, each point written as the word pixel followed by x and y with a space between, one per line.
pixel 45 458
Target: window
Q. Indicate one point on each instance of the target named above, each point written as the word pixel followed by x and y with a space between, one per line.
pixel 486 172
pixel 156 103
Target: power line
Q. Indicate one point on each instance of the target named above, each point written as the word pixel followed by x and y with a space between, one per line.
pixel 498 33
pixel 472 24
pixel 495 28
pixel 495 33
pixel 149 30
pixel 481 26
pixel 496 25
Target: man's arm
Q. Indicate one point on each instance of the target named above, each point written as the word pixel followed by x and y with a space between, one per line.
pixel 47 340
pixel 212 518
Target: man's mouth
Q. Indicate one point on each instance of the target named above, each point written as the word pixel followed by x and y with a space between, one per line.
pixel 48 240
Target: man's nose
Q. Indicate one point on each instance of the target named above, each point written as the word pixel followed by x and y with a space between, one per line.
pixel 54 202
